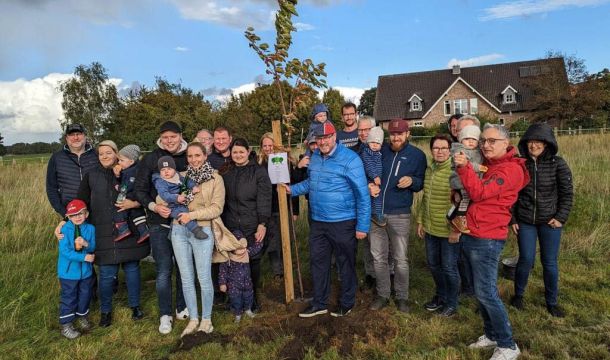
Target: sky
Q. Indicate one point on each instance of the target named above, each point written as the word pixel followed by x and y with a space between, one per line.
pixel 201 44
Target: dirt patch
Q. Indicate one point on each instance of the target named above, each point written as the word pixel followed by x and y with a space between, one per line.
pixel 199 338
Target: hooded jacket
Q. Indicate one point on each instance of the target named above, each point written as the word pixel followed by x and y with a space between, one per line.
pixel 550 192
pixel 145 191
pixel 492 197
pixel 71 264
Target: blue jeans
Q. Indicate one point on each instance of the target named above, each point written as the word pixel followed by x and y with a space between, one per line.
pixel 163 254
pixel 549 239
pixel 484 255
pixel 108 273
pixel 442 257
pixel 186 249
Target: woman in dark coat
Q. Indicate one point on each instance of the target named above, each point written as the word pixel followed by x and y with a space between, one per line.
pixel 540 212
pixel 247 202
pixel 99 189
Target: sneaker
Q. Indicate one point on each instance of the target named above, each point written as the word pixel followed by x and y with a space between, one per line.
pixel 136 313
pixel 517 302
pixel 250 314
pixel 555 311
pixel 122 231
pixel 237 319
pixel 83 323
pixel 505 353
pixel 448 311
pixel 340 312
pixel 460 224
pixel 144 234
pixel 182 315
pixel 199 233
pixel 312 311
pixel 105 319
pixel 379 220
pixel 206 326
pixel 68 331
pixel 402 305
pixel 165 324
pixel 379 303
pixel 435 304
pixel 483 342
pixel 190 328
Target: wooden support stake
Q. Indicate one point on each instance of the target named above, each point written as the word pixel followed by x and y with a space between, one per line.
pixel 284 224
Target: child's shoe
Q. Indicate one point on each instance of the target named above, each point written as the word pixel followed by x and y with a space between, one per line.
pixel 380 220
pixel 199 233
pixel 250 314
pixel 144 234
pixel 122 231
pixel 83 323
pixel 237 319
pixel 68 331
pixel 460 224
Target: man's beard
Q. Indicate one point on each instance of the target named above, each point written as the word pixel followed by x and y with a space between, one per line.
pixel 397 146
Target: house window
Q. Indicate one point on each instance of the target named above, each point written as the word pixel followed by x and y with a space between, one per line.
pixel 460 106
pixel 415 105
pixel 447 107
pixel 509 97
pixel 418 123
pixel 474 107
pixel 502 121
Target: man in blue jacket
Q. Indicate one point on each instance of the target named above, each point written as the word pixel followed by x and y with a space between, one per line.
pixel 404 167
pixel 340 214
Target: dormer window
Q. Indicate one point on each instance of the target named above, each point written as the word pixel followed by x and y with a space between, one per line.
pixel 415 102
pixel 509 95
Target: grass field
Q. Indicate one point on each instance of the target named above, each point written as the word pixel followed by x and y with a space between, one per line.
pixel 29 294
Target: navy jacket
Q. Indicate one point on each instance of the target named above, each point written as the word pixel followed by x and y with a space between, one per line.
pixel 409 161
pixel 64 174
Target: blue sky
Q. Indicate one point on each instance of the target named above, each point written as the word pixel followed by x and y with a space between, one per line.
pixel 201 43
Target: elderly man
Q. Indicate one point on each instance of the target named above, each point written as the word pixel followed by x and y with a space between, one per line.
pixel 490 212
pixel 349 135
pixel 221 154
pixel 207 139
pixel 404 167
pixel 67 167
pixel 171 144
pixel 340 212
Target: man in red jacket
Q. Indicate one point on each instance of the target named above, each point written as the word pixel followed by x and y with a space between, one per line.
pixel 488 218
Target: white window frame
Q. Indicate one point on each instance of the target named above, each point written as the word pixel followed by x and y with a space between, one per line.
pixel 446 105
pixel 418 123
pixel 474 106
pixel 502 122
pixel 509 97
pixel 415 105
pixel 463 106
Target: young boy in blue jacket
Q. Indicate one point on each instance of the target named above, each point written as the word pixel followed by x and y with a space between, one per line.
pixel 75 269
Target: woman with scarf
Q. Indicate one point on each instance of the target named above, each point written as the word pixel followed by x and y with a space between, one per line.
pixel 193 254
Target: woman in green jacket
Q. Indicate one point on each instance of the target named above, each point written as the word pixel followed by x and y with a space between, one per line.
pixel 432 225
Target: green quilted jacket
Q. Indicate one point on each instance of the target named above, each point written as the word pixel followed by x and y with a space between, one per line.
pixel 436 199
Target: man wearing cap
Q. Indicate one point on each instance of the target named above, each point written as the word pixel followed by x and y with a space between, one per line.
pixel 340 214
pixel 349 135
pixel 67 167
pixel 171 144
pixel 403 171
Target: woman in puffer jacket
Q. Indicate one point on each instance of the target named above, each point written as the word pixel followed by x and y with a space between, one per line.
pixel 540 212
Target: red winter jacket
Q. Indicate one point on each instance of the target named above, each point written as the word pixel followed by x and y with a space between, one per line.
pixel 493 196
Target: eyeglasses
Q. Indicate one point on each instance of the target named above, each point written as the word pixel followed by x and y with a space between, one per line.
pixel 490 141
pixel 349 114
pixel 363 130
pixel 323 138
pixel 440 149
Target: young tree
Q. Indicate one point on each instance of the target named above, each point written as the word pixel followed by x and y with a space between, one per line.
pixel 367 102
pixel 89 99
pixel 334 100
pixel 300 74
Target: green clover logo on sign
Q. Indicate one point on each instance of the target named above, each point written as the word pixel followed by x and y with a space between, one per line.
pixel 277 160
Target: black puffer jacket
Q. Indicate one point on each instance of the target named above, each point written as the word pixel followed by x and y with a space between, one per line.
pixel 247 198
pixel 99 190
pixel 550 193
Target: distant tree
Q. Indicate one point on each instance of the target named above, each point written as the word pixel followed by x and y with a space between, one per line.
pixel 334 100
pixel 89 99
pixel 367 102
pixel 2 148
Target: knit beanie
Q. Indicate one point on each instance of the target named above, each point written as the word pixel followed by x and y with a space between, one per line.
pixel 469 132
pixel 166 161
pixel 376 135
pixel 131 152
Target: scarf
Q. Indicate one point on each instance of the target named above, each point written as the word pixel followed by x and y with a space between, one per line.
pixel 199 176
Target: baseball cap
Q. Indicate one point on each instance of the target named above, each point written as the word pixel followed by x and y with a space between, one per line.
pixel 72 128
pixel 326 128
pixel 398 126
pixel 75 206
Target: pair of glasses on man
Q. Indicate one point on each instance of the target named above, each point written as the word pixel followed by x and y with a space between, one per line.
pixel 490 141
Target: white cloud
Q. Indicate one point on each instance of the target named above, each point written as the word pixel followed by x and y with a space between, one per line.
pixel 520 8
pixel 475 61
pixel 303 26
pixel 245 88
pixel 351 94
pixel 181 49
pixel 30 110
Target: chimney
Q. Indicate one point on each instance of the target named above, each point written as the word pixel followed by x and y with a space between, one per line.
pixel 456 69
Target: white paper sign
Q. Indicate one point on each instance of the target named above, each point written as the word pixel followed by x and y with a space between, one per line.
pixel 277 166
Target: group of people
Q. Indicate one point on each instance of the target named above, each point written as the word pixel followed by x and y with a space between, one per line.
pixel 211 201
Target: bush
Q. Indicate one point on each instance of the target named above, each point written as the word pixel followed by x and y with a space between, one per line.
pixel 520 125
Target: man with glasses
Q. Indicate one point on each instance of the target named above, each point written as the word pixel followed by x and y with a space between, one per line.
pixel 67 167
pixel 207 139
pixel 404 167
pixel 349 135
pixel 489 213
pixel 340 214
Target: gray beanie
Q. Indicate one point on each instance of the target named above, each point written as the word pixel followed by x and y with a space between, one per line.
pixel 376 135
pixel 131 152
pixel 470 132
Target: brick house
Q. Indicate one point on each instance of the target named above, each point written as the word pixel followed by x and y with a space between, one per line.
pixel 492 91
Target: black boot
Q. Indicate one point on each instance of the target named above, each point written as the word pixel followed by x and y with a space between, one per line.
pixel 106 319
pixel 136 313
